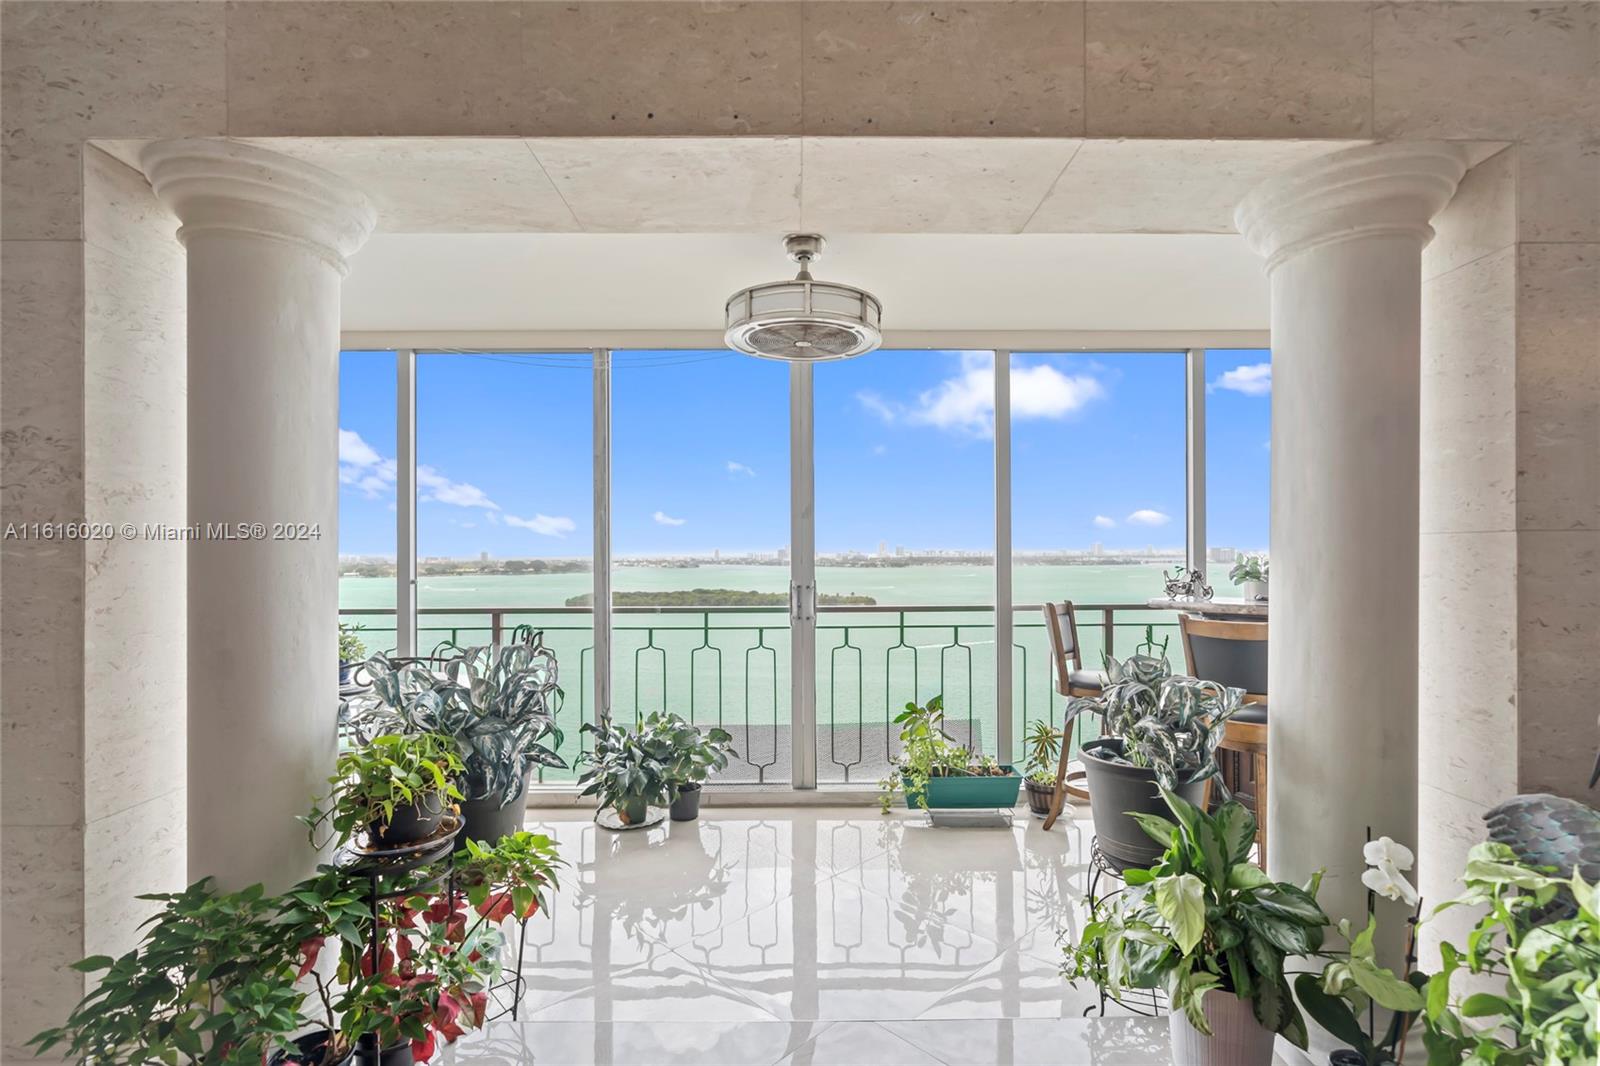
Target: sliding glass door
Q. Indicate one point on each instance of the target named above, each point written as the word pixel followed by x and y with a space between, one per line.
pixel 791 553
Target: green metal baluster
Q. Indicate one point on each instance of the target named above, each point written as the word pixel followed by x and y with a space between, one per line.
pixel 749 755
pixel 833 701
pixel 638 672
pixel 955 643
pixel 705 645
pixel 888 683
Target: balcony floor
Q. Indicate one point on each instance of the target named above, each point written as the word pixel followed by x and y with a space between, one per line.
pixel 810 935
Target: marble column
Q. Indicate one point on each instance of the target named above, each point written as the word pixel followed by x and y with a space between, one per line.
pixel 267 238
pixel 1343 238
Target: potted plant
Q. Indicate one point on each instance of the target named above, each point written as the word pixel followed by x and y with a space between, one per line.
pixel 1044 748
pixel 394 789
pixel 628 770
pixel 938 773
pixel 696 754
pixel 224 979
pixel 351 652
pixel 1207 925
pixel 1158 731
pixel 497 704
pixel 1540 935
pixel 1251 572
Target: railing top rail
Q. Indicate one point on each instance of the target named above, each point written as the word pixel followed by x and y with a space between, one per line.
pixel 882 608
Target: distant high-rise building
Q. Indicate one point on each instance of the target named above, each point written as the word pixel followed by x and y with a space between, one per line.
pixel 883 548
pixel 483 557
pixel 1222 555
pixel 716 554
pixel 899 549
pixel 783 554
pixel 1097 550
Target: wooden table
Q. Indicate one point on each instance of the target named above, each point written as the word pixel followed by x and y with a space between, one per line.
pixel 1221 607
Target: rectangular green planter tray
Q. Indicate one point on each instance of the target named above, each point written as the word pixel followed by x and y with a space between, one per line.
pixel 967 793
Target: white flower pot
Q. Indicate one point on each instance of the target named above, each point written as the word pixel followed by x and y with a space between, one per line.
pixel 1236 1039
pixel 1255 591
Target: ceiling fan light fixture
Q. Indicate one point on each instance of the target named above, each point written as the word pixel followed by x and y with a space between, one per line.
pixel 803 320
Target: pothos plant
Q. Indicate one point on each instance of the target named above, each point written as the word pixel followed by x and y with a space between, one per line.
pixel 1207 919
pixel 497 704
pixel 1166 723
pixel 1540 935
pixel 371 782
pixel 224 979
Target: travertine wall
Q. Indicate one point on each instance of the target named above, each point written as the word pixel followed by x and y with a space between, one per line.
pixel 1523 73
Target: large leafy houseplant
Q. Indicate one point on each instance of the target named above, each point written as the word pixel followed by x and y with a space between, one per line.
pixel 225 979
pixel 1206 921
pixel 628 769
pixel 498 704
pixel 1540 935
pixel 696 753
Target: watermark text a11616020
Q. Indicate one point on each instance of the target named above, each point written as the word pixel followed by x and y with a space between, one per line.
pixel 160 531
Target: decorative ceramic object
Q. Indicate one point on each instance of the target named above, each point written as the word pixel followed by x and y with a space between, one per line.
pixel 1186 584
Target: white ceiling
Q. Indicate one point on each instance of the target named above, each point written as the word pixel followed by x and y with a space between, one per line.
pixel 573 282
pixel 641 233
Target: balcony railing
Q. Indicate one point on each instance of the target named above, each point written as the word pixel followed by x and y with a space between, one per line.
pixel 729 666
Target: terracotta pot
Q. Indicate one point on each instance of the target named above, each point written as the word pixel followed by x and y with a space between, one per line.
pixel 1236 1039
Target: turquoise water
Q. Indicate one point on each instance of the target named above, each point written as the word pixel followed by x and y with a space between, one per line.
pixel 732 668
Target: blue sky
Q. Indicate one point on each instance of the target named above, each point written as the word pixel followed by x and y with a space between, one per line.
pixel 904 452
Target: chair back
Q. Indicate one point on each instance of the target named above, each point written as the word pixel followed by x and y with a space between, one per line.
pixel 1065 652
pixel 1230 653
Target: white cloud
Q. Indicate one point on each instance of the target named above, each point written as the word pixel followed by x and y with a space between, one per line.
pixel 362 467
pixel 544 525
pixel 876 404
pixel 1252 380
pixel 965 401
pixel 740 468
pixel 1147 517
pixel 1102 522
pixel 664 519
pixel 1042 391
pixel 432 485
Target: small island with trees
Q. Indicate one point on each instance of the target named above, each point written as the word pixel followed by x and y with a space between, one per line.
pixel 717 598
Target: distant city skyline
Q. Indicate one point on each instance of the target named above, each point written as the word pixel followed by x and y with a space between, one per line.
pixel 903 460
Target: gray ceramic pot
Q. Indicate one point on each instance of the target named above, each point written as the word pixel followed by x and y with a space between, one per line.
pixel 1114 790
pixel 1236 1039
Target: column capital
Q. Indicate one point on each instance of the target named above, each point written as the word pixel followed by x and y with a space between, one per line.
pixel 1380 189
pixel 219 186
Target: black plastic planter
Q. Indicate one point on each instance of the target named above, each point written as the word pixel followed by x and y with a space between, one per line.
pixel 1115 789
pixel 367 1054
pixel 487 820
pixel 410 824
pixel 686 808
pixel 311 1047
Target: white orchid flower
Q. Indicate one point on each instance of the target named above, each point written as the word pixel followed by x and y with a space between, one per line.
pixel 1387 850
pixel 1386 880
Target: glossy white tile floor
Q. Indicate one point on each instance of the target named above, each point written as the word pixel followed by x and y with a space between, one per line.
pixel 810 936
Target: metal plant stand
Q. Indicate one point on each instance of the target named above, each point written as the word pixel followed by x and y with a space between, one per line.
pixel 1146 1003
pixel 386 872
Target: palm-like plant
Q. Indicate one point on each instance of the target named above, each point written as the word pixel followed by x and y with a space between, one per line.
pixel 498 704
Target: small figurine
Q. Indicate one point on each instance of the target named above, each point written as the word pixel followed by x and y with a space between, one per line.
pixel 1186 585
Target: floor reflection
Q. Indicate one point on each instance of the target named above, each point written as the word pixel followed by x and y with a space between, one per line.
pixel 810 935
